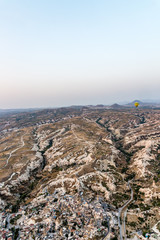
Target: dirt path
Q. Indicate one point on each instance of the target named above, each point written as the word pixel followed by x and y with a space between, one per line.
pixel 10 155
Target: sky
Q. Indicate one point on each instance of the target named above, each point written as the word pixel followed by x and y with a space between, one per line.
pixel 67 52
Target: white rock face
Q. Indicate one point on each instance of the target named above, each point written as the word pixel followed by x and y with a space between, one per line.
pixel 6 187
pixel 143 157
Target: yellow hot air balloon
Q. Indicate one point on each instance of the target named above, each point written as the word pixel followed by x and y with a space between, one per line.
pixel 136 104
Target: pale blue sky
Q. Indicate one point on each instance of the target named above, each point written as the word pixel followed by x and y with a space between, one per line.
pixel 65 52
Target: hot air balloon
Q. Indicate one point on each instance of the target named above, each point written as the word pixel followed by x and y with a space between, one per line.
pixel 136 104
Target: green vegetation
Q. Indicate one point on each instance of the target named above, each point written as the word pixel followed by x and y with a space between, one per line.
pixel 130 177
pixel 156 202
pixel 141 220
pixel 124 169
pixel 105 185
pixel 15 232
pixel 105 223
pixel 144 207
pixel 14 220
pixel 132 224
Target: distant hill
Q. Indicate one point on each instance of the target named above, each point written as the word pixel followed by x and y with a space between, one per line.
pixel 132 103
pixel 4 112
pixel 116 106
pixel 143 104
pixel 100 105
pixel 76 106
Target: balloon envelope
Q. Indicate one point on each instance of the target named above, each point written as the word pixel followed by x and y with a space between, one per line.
pixel 136 104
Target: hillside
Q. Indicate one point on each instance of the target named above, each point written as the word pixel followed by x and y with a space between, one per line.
pixel 80 173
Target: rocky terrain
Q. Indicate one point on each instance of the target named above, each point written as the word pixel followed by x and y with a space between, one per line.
pixel 80 173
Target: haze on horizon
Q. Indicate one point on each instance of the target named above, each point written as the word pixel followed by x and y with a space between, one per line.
pixel 60 53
